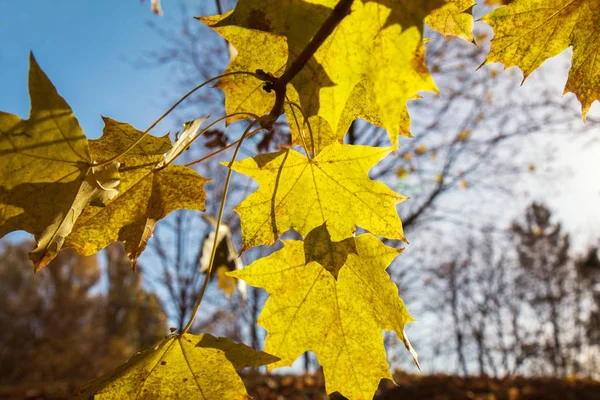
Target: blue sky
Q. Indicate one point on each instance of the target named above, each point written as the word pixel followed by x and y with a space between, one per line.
pixel 88 48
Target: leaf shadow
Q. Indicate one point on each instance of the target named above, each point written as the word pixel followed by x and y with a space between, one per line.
pixel 41 204
pixel 297 21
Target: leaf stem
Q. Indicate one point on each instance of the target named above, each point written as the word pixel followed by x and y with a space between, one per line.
pixel 218 224
pixel 206 129
pixel 230 145
pixel 177 103
pixel 312 138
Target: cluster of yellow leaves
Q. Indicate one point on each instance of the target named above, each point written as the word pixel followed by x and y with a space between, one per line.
pixel 54 185
pixel 330 293
pixel 369 67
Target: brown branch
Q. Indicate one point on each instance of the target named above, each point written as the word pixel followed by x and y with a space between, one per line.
pixel 279 85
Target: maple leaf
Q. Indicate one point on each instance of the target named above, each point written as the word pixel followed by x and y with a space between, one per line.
pixel 369 67
pixel 46 171
pixel 300 193
pixel 453 19
pixel 341 320
pixel 244 92
pixel 183 367
pixel 146 193
pixel 527 32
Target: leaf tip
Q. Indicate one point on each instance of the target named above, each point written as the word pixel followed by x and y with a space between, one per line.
pixel 32 60
pixel 411 350
pixel 41 262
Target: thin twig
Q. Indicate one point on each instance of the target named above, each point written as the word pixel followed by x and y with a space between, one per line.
pixel 219 219
pixel 177 103
pixel 279 85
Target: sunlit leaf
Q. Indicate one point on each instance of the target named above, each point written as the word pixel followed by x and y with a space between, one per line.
pixel 146 194
pixel 340 320
pixel 528 32
pixel 181 367
pixel 453 19
pixel 302 194
pixel 369 67
pixel 331 255
pixel 47 175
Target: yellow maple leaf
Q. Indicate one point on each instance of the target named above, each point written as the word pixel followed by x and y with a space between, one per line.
pixel 53 187
pixel 181 367
pixel 47 176
pixel 302 194
pixel 146 193
pixel 453 19
pixel 341 320
pixel 244 92
pixel 369 67
pixel 527 32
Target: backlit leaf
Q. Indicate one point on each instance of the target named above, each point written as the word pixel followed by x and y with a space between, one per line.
pixel 528 32
pixel 369 67
pixel 319 247
pixel 181 367
pixel 146 194
pixel 301 194
pixel 454 19
pixel 47 176
pixel 341 320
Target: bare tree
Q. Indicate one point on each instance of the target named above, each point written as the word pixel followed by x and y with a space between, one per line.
pixel 59 325
pixel 543 251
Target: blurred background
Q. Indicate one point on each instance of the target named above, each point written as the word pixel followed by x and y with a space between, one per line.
pixel 502 271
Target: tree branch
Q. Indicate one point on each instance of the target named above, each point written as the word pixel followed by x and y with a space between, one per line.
pixel 279 85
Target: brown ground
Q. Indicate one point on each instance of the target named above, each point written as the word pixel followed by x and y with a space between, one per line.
pixel 432 387
pixel 413 387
